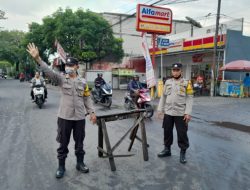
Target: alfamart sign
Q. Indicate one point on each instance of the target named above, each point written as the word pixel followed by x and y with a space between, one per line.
pixel 153 19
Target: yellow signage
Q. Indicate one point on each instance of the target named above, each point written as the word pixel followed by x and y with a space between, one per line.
pixel 123 72
pixel 155 27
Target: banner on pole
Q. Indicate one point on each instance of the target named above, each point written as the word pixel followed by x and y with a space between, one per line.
pixel 149 67
pixel 60 51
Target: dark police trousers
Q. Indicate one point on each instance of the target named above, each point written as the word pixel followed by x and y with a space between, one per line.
pixel 63 137
pixel 181 128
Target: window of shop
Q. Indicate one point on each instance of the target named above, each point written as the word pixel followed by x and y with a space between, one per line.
pixel 201 70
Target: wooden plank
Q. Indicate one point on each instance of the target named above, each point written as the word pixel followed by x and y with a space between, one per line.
pixel 102 151
pixel 144 141
pixel 100 137
pixel 132 137
pixel 108 146
pixel 124 136
pixel 103 135
pixel 121 115
pixel 139 139
pixel 119 155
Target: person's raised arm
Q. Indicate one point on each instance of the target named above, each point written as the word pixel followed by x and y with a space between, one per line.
pixel 33 51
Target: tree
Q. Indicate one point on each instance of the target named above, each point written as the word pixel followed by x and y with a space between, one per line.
pixel 10 46
pixel 2 13
pixel 82 34
pixel 4 65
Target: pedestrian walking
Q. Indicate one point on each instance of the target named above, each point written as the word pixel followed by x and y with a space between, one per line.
pixel 246 82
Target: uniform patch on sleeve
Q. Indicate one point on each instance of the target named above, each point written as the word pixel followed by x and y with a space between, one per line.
pixel 86 90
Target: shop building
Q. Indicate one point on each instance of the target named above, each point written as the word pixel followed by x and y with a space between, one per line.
pixel 196 52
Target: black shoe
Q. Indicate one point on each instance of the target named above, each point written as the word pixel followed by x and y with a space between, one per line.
pixel 183 157
pixel 82 167
pixel 165 152
pixel 60 172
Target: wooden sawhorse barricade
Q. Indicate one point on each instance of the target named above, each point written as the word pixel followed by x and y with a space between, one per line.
pixel 139 116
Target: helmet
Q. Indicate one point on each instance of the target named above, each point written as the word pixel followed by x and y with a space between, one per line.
pixel 176 66
pixel 70 61
pixel 99 74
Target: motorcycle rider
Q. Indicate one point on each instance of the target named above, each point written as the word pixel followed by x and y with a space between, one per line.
pixel 134 87
pixel 38 80
pixel 99 81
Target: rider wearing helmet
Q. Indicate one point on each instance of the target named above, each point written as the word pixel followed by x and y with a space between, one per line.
pixel 38 80
pixel 99 81
pixel 134 87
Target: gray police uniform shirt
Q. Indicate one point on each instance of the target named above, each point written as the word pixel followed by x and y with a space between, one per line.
pixel 73 104
pixel 175 100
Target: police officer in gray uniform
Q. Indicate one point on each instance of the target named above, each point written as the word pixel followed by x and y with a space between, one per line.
pixel 176 104
pixel 74 106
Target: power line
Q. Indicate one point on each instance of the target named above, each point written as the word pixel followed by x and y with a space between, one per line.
pixel 155 3
pixel 178 2
pixel 135 8
pixel 129 16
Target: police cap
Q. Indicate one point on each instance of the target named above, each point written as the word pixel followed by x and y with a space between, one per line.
pixel 177 66
pixel 70 61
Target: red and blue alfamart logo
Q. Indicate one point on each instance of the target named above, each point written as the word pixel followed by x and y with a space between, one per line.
pixel 154 13
pixel 153 19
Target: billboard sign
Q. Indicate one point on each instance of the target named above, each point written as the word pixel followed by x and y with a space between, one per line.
pixel 163 42
pixel 153 19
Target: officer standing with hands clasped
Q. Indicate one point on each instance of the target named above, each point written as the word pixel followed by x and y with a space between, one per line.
pixel 75 104
pixel 176 104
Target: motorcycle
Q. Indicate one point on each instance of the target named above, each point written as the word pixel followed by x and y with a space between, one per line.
pixel 39 96
pixel 143 102
pixel 21 77
pixel 3 76
pixel 103 96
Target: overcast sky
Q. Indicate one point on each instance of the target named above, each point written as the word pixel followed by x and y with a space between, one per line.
pixel 22 12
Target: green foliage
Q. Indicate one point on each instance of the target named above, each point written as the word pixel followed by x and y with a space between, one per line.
pixel 82 34
pixel 5 66
pixel 10 46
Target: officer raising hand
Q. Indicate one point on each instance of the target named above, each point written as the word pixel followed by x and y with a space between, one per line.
pixel 75 104
pixel 176 105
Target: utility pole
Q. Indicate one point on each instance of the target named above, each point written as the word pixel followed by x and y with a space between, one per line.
pixel 214 64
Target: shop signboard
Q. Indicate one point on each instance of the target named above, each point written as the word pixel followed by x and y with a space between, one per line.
pixel 229 88
pixel 123 72
pixel 153 19
pixel 176 45
pixel 162 42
